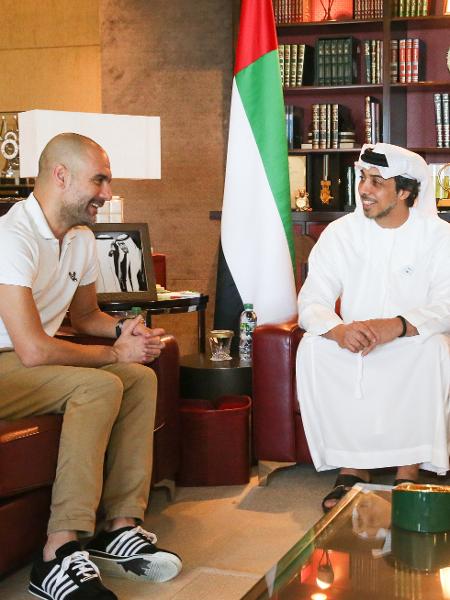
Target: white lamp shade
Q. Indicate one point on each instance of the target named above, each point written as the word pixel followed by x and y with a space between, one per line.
pixel 133 143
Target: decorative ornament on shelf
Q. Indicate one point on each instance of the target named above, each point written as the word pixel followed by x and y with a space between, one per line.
pixel 302 200
pixel 9 146
pixel 327 9
pixel 443 181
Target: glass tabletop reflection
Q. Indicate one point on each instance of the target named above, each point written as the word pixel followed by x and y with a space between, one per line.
pixel 354 553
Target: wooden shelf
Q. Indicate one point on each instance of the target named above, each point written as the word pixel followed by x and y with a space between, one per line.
pixel 300 151
pixel 335 88
pixel 432 150
pixel 347 23
pixel 422 85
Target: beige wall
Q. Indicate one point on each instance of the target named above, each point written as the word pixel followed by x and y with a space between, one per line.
pixel 50 55
pixel 174 59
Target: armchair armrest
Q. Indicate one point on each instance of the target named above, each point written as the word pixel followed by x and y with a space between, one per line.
pixel 275 406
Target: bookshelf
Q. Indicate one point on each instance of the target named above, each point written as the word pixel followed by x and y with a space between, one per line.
pixel 406 109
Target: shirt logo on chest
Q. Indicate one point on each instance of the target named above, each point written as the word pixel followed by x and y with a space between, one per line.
pixel 407 270
pixel 73 275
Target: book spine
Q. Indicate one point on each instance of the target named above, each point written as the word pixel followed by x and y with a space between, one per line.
pixel 287 64
pixel 329 126
pixel 379 61
pixel 402 60
pixel 367 121
pixel 340 62
pixel 367 65
pixel 320 72
pixel 300 63
pixel 315 122
pixel 335 126
pixel 408 60
pixel 415 60
pixel 281 61
pixel 394 61
pixel 401 8
pixel 373 61
pixel 445 120
pixel 294 63
pixel 327 62
pixel 357 10
pixel 322 126
pixel 438 120
pixel 347 61
pixel 425 8
pixel 333 61
pixel 408 8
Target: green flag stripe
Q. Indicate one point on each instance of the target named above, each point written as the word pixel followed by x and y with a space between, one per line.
pixel 259 86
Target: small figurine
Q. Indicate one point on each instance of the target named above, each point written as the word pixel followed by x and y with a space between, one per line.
pixel 325 192
pixel 302 200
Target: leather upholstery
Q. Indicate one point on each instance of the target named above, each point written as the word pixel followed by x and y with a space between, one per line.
pixel 277 423
pixel 28 456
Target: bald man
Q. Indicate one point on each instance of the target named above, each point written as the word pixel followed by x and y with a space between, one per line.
pixel 48 266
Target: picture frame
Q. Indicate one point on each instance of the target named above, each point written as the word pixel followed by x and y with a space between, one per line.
pixel 126 271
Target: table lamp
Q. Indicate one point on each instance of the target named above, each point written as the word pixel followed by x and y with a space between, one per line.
pixel 133 143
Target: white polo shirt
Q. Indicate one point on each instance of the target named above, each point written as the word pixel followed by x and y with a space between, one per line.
pixel 30 256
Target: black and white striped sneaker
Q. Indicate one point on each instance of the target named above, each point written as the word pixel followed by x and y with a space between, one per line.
pixel 131 552
pixel 70 576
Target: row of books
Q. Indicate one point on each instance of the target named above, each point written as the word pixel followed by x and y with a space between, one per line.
pixel 294 125
pixel 410 8
pixel 296 64
pixel 373 61
pixel 441 112
pixel 372 120
pixel 336 61
pixel 407 60
pixel 368 9
pixel 328 121
pixel 290 11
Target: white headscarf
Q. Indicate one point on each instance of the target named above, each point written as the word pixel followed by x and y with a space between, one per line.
pixel 405 163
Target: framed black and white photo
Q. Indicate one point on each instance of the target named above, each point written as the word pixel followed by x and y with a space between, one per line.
pixel 125 264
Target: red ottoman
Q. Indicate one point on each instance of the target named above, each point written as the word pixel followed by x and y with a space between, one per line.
pixel 215 441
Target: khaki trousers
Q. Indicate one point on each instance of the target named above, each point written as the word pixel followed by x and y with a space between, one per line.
pixel 106 410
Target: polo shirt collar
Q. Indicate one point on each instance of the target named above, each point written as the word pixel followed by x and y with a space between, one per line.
pixel 34 209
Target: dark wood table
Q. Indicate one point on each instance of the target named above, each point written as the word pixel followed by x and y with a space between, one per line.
pixel 197 304
pixel 200 377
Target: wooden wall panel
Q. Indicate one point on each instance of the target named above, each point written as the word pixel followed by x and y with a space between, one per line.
pixel 174 59
pixel 50 55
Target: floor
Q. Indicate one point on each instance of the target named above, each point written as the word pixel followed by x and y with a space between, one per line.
pixel 228 536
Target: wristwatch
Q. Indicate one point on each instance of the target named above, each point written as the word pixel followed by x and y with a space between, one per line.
pixel 119 326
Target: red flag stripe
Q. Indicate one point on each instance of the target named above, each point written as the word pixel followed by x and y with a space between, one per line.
pixel 257 33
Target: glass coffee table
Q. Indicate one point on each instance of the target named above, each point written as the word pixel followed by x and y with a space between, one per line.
pixel 353 553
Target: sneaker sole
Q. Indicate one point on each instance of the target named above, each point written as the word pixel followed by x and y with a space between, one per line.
pixel 36 591
pixel 151 568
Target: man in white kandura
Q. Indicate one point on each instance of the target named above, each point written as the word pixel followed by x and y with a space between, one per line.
pixel 374 382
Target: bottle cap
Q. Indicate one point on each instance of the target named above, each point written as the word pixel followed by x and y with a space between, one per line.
pixel 248 306
pixel 136 310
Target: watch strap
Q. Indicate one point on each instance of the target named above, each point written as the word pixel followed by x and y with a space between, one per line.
pixel 119 326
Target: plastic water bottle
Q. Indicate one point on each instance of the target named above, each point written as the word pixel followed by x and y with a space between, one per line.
pixel 247 324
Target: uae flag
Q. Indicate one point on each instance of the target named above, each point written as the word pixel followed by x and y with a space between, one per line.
pixel 257 251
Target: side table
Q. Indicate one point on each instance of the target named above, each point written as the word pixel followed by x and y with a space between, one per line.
pixel 200 377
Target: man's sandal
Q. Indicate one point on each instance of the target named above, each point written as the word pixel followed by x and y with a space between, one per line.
pixel 342 485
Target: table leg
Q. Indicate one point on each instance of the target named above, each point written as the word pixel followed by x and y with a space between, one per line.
pixel 201 331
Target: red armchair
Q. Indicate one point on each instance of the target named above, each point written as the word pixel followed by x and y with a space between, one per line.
pixel 278 435
pixel 28 453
